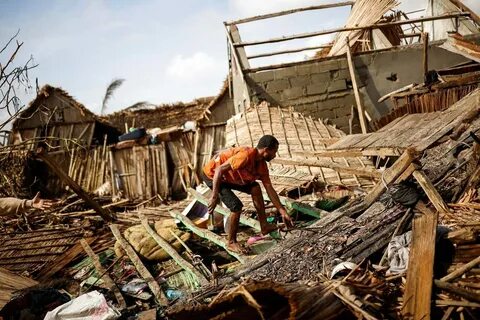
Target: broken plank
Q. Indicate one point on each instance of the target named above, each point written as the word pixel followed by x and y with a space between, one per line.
pixel 459 291
pixel 207 234
pixel 223 211
pixel 62 261
pixel 431 192
pixel 141 269
pixel 301 207
pixel 390 175
pixel 460 271
pixel 101 271
pixel 187 266
pixel 418 288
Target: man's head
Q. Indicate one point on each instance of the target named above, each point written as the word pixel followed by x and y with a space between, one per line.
pixel 267 147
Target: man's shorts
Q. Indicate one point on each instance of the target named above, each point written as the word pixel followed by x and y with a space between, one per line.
pixel 226 194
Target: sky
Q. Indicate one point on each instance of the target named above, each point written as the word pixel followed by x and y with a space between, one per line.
pixel 167 51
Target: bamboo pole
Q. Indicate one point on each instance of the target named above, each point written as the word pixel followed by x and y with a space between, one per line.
pixel 142 270
pixel 101 270
pixel 207 234
pixel 172 252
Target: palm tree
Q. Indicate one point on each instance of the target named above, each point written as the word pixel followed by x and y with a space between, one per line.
pixel 109 93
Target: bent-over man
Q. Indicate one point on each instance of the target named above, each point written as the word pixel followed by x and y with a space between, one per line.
pixel 238 168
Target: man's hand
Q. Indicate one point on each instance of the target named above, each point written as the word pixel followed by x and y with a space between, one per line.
pixel 286 218
pixel 39 203
pixel 212 204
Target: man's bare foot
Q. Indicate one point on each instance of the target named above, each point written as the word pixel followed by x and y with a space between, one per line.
pixel 267 228
pixel 236 247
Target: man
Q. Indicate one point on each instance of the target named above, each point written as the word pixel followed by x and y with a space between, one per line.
pixel 238 168
pixel 9 206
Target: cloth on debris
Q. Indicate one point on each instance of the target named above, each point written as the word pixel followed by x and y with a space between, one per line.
pixel 9 206
pixel 146 246
pixel 342 266
pixel 91 305
pixel 397 253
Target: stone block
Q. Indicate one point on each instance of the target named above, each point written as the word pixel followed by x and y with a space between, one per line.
pixel 285 73
pixel 262 76
pixel 305 69
pixel 342 74
pixel 326 114
pixel 337 85
pixel 326 66
pixel 300 81
pixel 317 88
pixel 277 85
pixel 320 77
pixel 292 93
pixel 345 111
pixel 342 122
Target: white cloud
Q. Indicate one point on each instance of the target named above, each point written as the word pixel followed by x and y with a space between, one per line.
pixel 191 67
pixel 254 7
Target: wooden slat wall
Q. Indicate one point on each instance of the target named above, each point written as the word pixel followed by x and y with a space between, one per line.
pixel 181 151
pixel 212 139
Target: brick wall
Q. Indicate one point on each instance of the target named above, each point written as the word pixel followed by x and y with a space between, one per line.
pixel 323 89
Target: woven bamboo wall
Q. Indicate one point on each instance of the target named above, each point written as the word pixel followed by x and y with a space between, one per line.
pixel 296 134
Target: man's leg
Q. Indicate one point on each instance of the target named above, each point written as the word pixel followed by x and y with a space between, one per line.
pixel 235 205
pixel 259 204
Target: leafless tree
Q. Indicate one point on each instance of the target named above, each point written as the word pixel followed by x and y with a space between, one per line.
pixel 13 77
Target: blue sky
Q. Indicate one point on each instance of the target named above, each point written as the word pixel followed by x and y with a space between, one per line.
pixel 166 51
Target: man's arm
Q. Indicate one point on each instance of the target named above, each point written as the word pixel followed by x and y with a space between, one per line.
pixel 10 206
pixel 272 194
pixel 217 178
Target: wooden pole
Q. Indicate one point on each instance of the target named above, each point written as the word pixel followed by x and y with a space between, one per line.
pixel 286 12
pixel 425 54
pixel 269 54
pixel 460 271
pixel 101 270
pixel 142 270
pixel 461 292
pixel 431 192
pixel 172 252
pixel 105 214
pixel 207 234
pixel 351 67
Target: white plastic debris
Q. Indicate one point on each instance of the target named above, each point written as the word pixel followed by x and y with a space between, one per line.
pixel 88 306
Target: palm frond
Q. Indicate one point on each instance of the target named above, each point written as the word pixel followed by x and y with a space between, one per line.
pixel 109 93
pixel 138 105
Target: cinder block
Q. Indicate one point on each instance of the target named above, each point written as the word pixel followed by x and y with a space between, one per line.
pixel 262 76
pixel 337 85
pixel 300 81
pixel 326 113
pixel 317 88
pixel 284 73
pixel 343 63
pixel 292 93
pixel 342 74
pixel 326 66
pixel 342 122
pixel 305 69
pixel 277 85
pixel 320 77
pixel 345 111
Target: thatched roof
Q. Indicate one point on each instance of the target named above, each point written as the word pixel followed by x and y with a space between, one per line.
pixel 48 90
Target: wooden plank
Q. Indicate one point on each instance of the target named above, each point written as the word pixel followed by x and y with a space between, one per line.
pixel 187 266
pixel 360 109
pixel 431 192
pixel 223 211
pixel 101 271
pixel 418 289
pixel 460 271
pixel 61 261
pixel 206 234
pixel 106 215
pixel 390 175
pixel 141 269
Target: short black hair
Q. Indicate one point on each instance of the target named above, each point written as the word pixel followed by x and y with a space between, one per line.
pixel 267 141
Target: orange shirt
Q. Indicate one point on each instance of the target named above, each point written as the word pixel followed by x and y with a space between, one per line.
pixel 244 167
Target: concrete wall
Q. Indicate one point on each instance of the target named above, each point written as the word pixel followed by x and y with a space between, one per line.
pixel 323 89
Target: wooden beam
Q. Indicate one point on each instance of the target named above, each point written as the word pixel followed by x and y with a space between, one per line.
pixel 458 291
pixel 352 153
pixel 207 234
pixel 101 271
pixel 367 172
pixel 418 288
pixel 301 207
pixel 460 271
pixel 425 54
pixel 223 211
pixel 390 175
pixel 274 53
pixel 61 261
pixel 334 30
pixel 105 214
pixel 463 7
pixel 141 269
pixel 187 266
pixel 431 192
pixel 358 100
pixel 286 12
